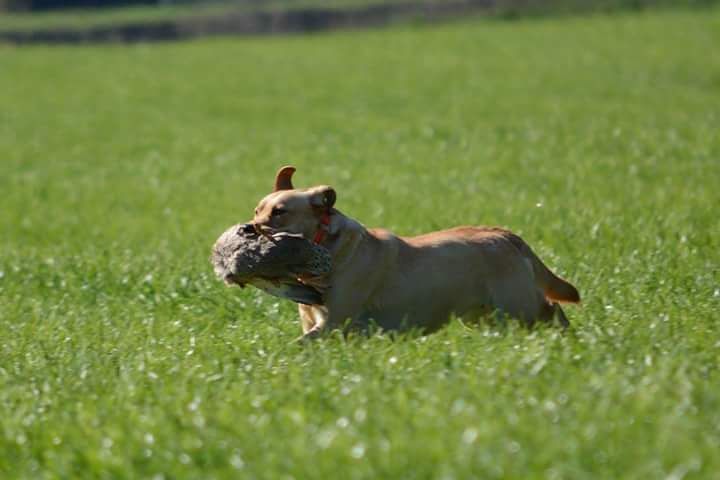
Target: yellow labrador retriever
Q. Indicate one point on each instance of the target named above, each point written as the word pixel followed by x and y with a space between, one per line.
pixel 397 283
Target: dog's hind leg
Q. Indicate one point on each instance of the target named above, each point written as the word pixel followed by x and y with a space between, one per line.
pixel 516 301
pixel 551 311
pixel 560 315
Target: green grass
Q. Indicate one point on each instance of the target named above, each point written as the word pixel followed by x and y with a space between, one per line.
pixel 595 138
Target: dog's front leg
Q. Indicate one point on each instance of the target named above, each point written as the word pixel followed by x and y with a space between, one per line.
pixel 316 321
pixel 344 303
pixel 312 317
pixel 323 322
pixel 312 334
pixel 319 320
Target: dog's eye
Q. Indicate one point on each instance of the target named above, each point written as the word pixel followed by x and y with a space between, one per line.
pixel 277 211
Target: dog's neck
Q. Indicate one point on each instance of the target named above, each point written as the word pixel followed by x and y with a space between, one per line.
pixel 343 237
pixel 323 228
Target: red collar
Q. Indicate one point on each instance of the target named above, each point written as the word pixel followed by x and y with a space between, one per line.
pixel 322 228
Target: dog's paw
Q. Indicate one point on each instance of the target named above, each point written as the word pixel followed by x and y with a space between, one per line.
pixel 310 335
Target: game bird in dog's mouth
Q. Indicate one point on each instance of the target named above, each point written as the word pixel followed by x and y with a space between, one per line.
pixel 378 279
pixel 282 264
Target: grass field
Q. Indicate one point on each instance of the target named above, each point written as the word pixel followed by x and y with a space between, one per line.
pixel 597 139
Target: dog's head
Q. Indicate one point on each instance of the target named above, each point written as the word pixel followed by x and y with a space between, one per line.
pixel 292 210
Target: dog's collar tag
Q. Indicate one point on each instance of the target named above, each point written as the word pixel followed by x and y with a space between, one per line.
pixel 322 228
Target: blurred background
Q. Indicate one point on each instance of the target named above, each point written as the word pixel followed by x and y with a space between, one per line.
pixel 27 21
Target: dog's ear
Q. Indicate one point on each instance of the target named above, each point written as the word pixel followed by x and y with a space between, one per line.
pixel 283 179
pixel 323 197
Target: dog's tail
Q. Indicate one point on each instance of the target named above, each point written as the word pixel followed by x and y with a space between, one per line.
pixel 554 287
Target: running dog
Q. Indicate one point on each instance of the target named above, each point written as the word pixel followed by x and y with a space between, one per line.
pixel 398 283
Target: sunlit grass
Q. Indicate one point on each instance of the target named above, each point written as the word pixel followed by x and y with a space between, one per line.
pixel 596 139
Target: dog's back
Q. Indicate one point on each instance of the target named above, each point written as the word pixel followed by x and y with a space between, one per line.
pixel 466 270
